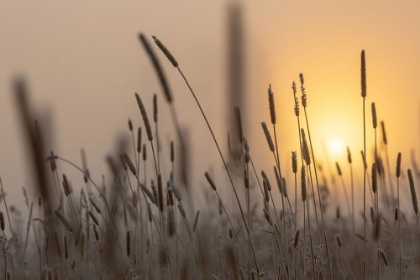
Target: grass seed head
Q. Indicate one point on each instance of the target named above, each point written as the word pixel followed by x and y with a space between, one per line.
pixel 413 192
pixel 95 220
pixel 123 163
pixel 181 209
pixel 148 193
pixel 384 257
pixel 2 224
pixel 296 240
pixel 166 52
pixel 339 241
pixel 212 185
pixel 145 117
pixel 268 137
pixel 294 162
pixel 384 138
pixel 160 193
pixel 171 221
pixel 374 117
pixel 176 191
pixel 363 73
pixel 349 156
pixel 238 120
pixel 306 154
pixel 374 178
pixel 302 89
pixel 296 108
pixel 266 193
pixel 128 243
pixel 157 66
pixel 66 185
pixel 155 108
pixel 144 152
pixel 196 220
pixel 130 164
pixel 372 215
pixel 338 169
pixel 66 248
pixel 398 171
pixel 303 183
pixel 130 125
pixel 64 220
pixel 139 140
pixel 271 105
pixel 264 175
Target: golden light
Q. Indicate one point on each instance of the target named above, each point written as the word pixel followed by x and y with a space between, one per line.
pixel 335 147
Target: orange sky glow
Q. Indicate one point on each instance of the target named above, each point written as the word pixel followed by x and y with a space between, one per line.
pixel 84 63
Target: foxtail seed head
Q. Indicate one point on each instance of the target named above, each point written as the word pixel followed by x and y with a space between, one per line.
pixel 181 209
pixel 145 117
pixel 303 183
pixel 296 108
pixel 129 164
pixel 238 120
pixel 264 175
pixel 272 106
pixel 296 241
pixel 413 192
pixel 266 194
pixel 302 89
pixel 160 192
pixel 158 68
pixel 384 138
pixel 66 185
pixel 212 185
pixel 128 243
pixel 294 162
pixel 384 257
pixel 339 242
pixel 130 125
pixel 2 225
pixel 155 108
pixel 398 172
pixel 349 156
pixel 139 140
pixel 166 52
pixel 374 178
pixel 374 117
pixel 306 154
pixel 268 137
pixel 363 73
pixel 338 169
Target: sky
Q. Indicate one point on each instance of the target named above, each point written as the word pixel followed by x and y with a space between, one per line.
pixel 83 63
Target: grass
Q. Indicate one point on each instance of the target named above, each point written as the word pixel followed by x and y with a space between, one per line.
pixel 145 226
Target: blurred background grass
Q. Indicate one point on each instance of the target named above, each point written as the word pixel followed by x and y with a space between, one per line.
pixel 83 62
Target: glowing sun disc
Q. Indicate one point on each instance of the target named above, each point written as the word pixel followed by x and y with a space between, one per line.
pixel 335 146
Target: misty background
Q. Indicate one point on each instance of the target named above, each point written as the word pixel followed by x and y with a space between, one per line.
pixel 83 63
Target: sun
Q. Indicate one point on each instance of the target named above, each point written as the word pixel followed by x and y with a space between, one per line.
pixel 335 146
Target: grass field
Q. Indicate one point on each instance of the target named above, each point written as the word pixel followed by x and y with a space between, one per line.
pixel 149 225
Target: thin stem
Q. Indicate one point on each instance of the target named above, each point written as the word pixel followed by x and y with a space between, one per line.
pixel 226 167
pixel 364 190
pixel 319 194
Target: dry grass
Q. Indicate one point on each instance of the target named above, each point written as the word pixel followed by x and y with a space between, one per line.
pixel 142 225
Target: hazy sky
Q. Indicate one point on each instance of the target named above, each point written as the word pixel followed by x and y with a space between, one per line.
pixel 84 62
